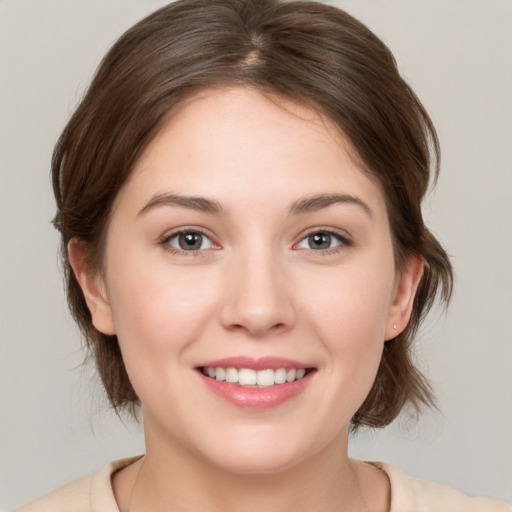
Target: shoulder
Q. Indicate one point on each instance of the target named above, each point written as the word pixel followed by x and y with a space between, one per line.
pixel 72 497
pixel 409 493
pixel 87 494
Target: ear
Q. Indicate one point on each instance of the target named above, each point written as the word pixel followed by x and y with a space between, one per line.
pixel 406 284
pixel 93 287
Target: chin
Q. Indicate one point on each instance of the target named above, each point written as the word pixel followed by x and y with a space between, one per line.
pixel 251 454
pixel 265 462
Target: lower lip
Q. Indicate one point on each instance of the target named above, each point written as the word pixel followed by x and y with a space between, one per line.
pixel 256 398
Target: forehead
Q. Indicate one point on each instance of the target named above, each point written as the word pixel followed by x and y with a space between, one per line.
pixel 238 141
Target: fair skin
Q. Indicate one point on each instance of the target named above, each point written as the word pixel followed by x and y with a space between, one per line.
pixel 253 269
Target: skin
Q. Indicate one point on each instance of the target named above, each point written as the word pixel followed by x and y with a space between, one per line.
pixel 256 288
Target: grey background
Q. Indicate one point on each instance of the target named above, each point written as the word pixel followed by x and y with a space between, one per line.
pixel 456 55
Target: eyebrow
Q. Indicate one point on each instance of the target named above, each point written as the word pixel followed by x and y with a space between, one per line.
pixel 314 203
pixel 197 203
pixel 307 204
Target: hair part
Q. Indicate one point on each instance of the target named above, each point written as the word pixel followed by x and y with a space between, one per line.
pixel 303 51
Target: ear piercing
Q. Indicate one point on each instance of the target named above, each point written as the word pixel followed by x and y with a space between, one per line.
pixel 394 327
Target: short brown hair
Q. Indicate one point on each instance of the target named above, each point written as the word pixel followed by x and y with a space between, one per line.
pixel 304 51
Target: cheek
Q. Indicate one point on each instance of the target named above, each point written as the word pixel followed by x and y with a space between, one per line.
pixel 158 311
pixel 353 305
pixel 350 318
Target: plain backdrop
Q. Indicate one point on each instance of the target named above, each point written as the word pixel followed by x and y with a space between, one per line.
pixel 456 55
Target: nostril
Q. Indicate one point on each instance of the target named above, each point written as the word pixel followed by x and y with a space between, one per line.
pixel 257 329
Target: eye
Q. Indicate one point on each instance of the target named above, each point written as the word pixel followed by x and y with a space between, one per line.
pixel 189 241
pixel 323 241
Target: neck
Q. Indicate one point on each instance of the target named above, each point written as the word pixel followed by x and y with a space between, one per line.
pixel 170 477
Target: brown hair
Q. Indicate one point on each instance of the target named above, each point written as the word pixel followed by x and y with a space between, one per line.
pixel 305 51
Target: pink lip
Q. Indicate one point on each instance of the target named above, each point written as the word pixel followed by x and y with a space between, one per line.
pixel 255 398
pixel 261 363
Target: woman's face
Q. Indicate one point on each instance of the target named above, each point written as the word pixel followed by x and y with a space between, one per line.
pixel 249 246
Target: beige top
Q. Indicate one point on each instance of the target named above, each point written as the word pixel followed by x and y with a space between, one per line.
pixel 94 494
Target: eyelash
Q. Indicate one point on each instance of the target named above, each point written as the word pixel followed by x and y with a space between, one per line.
pixel 165 242
pixel 343 240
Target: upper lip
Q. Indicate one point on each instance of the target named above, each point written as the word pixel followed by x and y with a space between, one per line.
pixel 258 363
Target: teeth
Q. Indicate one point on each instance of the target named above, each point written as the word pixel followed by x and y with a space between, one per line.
pixel 246 377
pixel 266 378
pixel 253 378
pixel 280 376
pixel 290 375
pixel 231 375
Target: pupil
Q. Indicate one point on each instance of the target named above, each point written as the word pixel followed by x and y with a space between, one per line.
pixel 320 241
pixel 190 241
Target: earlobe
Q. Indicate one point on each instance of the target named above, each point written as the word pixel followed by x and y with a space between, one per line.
pixel 403 296
pixel 93 287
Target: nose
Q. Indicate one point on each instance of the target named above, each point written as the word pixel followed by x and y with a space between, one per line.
pixel 258 299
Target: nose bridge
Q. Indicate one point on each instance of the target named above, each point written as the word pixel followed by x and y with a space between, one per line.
pixel 257 298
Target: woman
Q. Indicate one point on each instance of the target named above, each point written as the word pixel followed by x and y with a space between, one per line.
pixel 239 201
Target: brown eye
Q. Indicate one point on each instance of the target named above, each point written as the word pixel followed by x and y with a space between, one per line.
pixel 189 241
pixel 319 241
pixel 323 241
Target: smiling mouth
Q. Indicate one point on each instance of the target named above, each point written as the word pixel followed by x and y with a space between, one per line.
pixel 247 377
